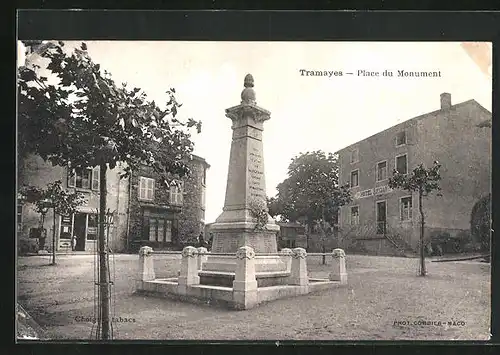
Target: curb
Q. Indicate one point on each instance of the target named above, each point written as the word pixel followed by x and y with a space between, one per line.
pixel 27 327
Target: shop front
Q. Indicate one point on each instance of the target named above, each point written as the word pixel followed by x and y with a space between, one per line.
pixel 79 231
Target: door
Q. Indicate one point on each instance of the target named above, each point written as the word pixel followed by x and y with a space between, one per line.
pixel 381 217
pixel 80 228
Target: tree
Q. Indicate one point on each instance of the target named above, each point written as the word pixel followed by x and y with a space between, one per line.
pixel 62 202
pixel 311 192
pixel 423 181
pixel 87 120
pixel 480 224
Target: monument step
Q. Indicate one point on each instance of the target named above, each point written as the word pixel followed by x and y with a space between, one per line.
pixel 231 274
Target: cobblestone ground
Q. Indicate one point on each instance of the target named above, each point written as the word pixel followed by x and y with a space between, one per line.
pixel 383 300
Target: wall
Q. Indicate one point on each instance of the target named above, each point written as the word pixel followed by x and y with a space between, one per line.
pixel 188 218
pixel 450 136
pixel 34 171
pixel 464 151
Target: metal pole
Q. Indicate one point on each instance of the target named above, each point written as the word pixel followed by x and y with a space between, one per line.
pixel 54 238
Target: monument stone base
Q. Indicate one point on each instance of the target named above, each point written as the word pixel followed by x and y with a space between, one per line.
pixel 228 238
pixel 243 289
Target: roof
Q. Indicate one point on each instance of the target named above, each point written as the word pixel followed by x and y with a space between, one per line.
pixel 200 159
pixel 420 117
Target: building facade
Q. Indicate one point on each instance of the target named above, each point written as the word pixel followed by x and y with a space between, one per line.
pixel 144 211
pixel 164 217
pixel 382 218
pixel 292 235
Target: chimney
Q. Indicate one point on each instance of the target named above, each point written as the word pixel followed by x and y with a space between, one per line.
pixel 445 101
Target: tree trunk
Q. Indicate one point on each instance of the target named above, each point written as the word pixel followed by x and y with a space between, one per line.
pixel 324 235
pixel 422 224
pixel 103 272
pixel 54 239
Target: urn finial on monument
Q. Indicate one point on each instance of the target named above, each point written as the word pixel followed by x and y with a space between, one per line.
pixel 248 93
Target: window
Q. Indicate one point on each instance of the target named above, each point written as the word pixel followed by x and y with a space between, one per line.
pixel 406 208
pixel 19 217
pixel 176 194
pixel 160 230
pixel 382 171
pixel 95 178
pixel 355 215
pixel 354 178
pixel 84 178
pixel 402 164
pixel 401 138
pixel 204 177
pixel 355 155
pixel 146 188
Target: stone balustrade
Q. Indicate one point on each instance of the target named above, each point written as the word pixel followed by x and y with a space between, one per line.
pixel 339 272
pixel 146 265
pixel 298 270
pixel 245 283
pixel 286 257
pixel 188 274
pixel 202 256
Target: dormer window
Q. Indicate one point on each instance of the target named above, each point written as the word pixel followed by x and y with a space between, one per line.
pixel 401 138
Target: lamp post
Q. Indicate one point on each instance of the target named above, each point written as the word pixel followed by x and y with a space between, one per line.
pixel 109 221
pixel 45 204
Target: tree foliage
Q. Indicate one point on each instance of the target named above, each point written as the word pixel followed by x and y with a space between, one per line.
pixel 85 118
pixel 420 179
pixel 481 222
pixel 423 181
pixel 311 192
pixel 53 196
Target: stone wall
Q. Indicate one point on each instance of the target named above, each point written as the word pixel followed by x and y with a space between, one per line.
pixel 34 171
pixel 188 218
pixel 450 136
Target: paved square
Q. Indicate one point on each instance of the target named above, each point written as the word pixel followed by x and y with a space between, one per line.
pixel 384 300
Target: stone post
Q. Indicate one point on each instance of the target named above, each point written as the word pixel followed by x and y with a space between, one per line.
pixel 146 270
pixel 298 271
pixel 286 257
pixel 339 272
pixel 245 283
pixel 189 269
pixel 202 256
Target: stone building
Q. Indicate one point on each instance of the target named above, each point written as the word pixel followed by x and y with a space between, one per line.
pixel 292 235
pixel 83 224
pixel 382 219
pixel 144 211
pixel 164 217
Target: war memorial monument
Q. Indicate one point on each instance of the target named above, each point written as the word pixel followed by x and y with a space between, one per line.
pixel 244 267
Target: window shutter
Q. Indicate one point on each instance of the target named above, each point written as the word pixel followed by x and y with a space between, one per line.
pixel 142 188
pixel 71 177
pixel 95 178
pixel 150 189
pixel 172 195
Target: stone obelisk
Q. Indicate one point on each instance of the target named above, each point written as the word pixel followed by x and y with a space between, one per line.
pixel 245 192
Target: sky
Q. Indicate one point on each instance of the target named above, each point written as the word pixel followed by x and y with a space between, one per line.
pixel 307 112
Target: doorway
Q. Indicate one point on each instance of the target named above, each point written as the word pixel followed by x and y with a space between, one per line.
pixel 381 217
pixel 80 227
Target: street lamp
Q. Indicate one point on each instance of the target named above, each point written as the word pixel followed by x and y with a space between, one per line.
pixel 110 217
pixel 44 206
